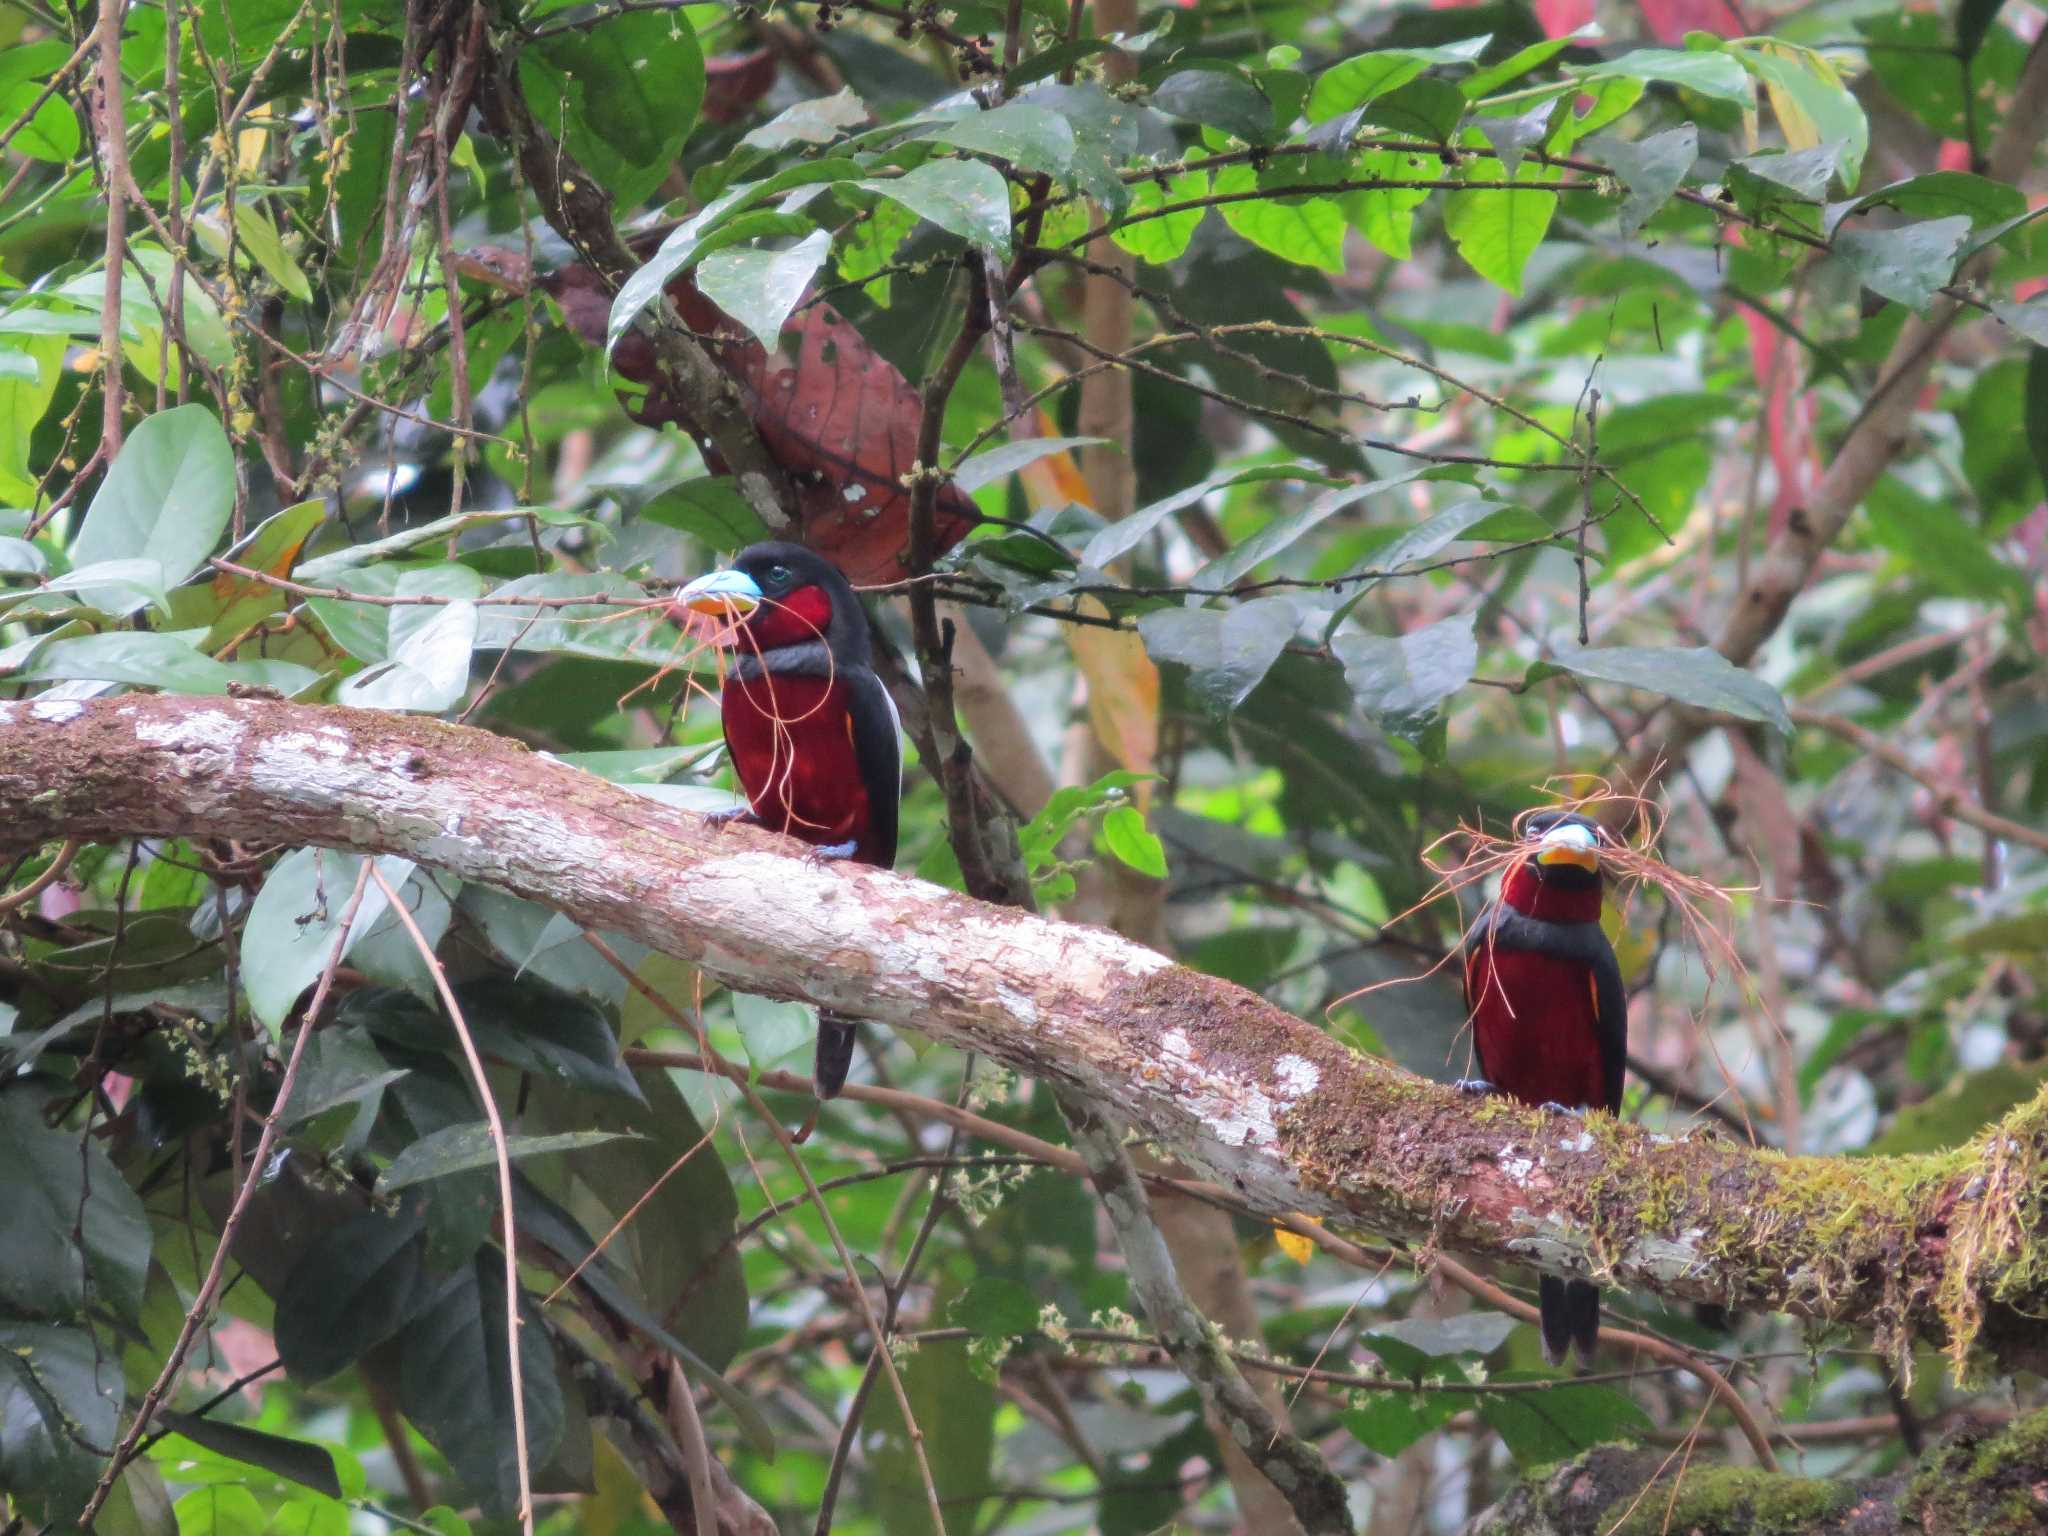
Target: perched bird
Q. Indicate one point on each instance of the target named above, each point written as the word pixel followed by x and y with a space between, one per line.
pixel 812 732
pixel 1549 1014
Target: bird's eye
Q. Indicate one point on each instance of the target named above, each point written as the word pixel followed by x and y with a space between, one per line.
pixel 776 578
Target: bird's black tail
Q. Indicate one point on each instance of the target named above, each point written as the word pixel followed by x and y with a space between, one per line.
pixel 835 1054
pixel 1571 1317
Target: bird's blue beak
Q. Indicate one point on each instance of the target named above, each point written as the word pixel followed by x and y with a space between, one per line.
pixel 723 594
pixel 1569 843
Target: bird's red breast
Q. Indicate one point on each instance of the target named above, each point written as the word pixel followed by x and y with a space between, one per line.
pixel 791 739
pixel 1535 1016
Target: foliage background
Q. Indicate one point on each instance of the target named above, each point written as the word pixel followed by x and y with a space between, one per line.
pixel 1464 374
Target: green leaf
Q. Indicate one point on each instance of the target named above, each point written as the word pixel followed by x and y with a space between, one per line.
pixel 58 1182
pixel 1428 108
pixel 1125 834
pixel 166 499
pixel 426 672
pixel 1523 61
pixel 1908 264
pixel 1124 535
pixel 1392 1421
pixel 1308 229
pixel 1386 215
pixel 1041 837
pixel 51 134
pixel 699 234
pixel 1365 78
pixel 1712 73
pixel 1498 231
pixel 1220 98
pixel 524 1023
pixel 1697 675
pixel 116 587
pixel 456 1387
pixel 1435 534
pixel 954 1407
pixel 1939 546
pixel 1397 678
pixel 1287 527
pixel 1543 1427
pixel 220 1509
pixel 1161 238
pixel 341 1066
pixel 699 1201
pixel 1651 168
pixel 962 197
pixel 1812 103
pixel 1438 1338
pixel 621 94
pixel 1030 137
pixel 1940 194
pixel 711 510
pixel 291 926
pixel 2037 398
pixel 817 120
pixel 462 1148
pixel 996 1307
pixel 355 1285
pixel 259 238
pixel 771 1029
pixel 142 658
pixel 760 288
pixel 298 1460
pixel 27 386
pixel 60 1414
pixel 1228 653
pixel 1806 173
pixel 1005 459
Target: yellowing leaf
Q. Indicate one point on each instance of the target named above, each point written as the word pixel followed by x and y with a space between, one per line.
pixel 1297 1247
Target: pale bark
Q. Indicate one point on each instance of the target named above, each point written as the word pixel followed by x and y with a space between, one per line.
pixel 1270 1106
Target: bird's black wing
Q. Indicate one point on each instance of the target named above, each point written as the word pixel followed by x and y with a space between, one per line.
pixel 878 749
pixel 1610 1004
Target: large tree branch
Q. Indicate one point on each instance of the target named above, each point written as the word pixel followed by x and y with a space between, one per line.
pixel 1944 1246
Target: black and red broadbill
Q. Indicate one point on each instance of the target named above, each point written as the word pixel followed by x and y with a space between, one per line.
pixel 812 732
pixel 1549 1014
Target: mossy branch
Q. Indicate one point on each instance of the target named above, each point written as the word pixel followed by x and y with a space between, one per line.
pixel 1979 1482
pixel 1943 1247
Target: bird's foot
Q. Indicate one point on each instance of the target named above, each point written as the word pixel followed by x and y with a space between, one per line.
pixel 1551 1106
pixel 830 853
pixel 1478 1087
pixel 739 815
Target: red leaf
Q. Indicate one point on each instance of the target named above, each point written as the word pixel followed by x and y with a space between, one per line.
pixel 842 421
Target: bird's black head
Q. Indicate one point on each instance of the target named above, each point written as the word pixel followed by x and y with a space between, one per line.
pixel 1567 848
pixel 785 595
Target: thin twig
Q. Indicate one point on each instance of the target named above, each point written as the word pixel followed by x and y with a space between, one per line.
pixel 202 1304
pixel 114 158
pixel 825 1217
pixel 504 1159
